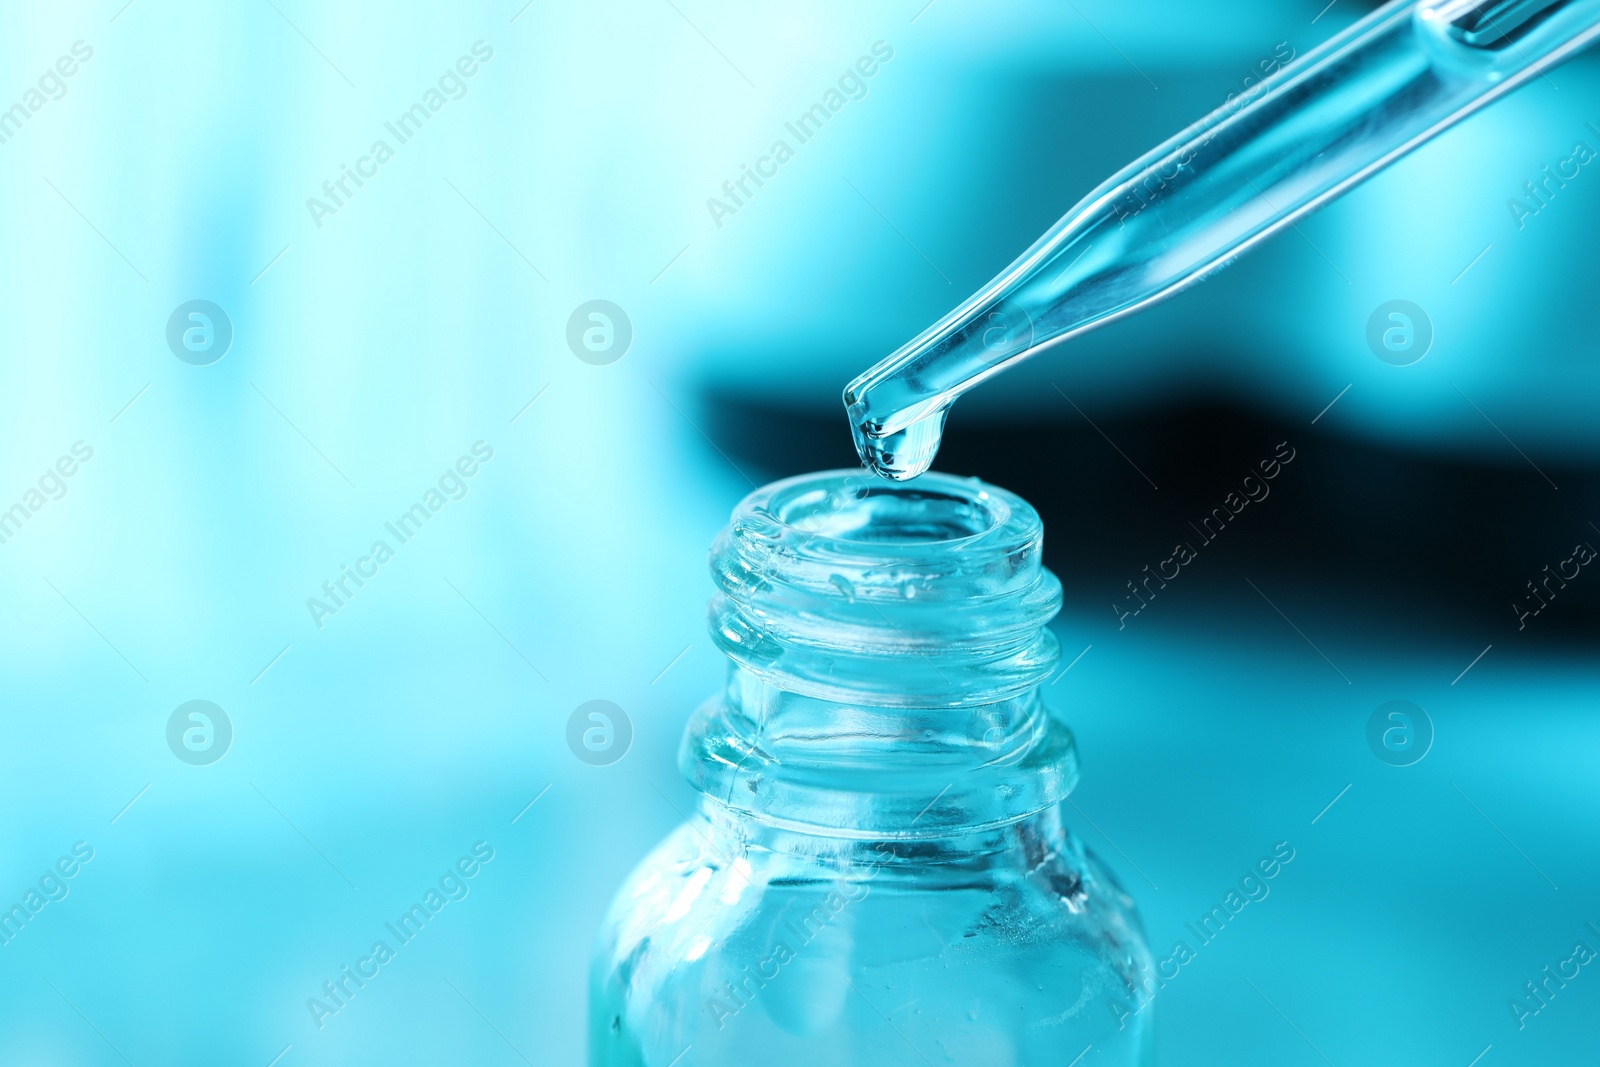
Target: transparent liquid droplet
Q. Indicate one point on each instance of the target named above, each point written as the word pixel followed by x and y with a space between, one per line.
pixel 904 454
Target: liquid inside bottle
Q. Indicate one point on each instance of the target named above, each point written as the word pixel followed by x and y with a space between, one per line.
pixel 878 871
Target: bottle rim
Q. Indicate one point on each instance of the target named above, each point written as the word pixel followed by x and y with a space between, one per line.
pixel 854 514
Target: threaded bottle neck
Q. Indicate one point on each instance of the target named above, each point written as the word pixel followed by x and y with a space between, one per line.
pixel 887 642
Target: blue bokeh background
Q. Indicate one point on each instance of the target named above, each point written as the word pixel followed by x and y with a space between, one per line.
pixel 429 313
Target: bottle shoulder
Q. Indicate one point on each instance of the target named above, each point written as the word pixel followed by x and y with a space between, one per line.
pixel 700 895
pixel 785 941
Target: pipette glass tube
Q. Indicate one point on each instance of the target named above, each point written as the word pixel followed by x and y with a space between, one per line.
pixel 1294 141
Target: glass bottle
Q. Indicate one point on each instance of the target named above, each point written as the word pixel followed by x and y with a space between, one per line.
pixel 877 872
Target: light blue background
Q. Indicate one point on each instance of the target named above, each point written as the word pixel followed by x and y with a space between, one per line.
pixel 425 315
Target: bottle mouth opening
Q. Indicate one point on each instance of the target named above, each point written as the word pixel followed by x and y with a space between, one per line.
pixel 867 510
pixel 857 513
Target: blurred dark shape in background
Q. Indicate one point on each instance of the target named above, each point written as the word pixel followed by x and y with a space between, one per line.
pixel 1396 536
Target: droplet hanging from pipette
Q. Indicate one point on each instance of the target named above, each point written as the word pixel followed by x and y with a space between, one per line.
pixel 904 454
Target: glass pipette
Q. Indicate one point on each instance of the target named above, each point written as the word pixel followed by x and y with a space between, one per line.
pixel 1291 143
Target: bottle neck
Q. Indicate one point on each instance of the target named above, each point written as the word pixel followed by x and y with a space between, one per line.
pixel 884 684
pixel 856 770
pixel 1023 843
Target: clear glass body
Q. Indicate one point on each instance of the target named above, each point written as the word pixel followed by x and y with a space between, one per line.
pixel 878 871
pixel 1179 213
